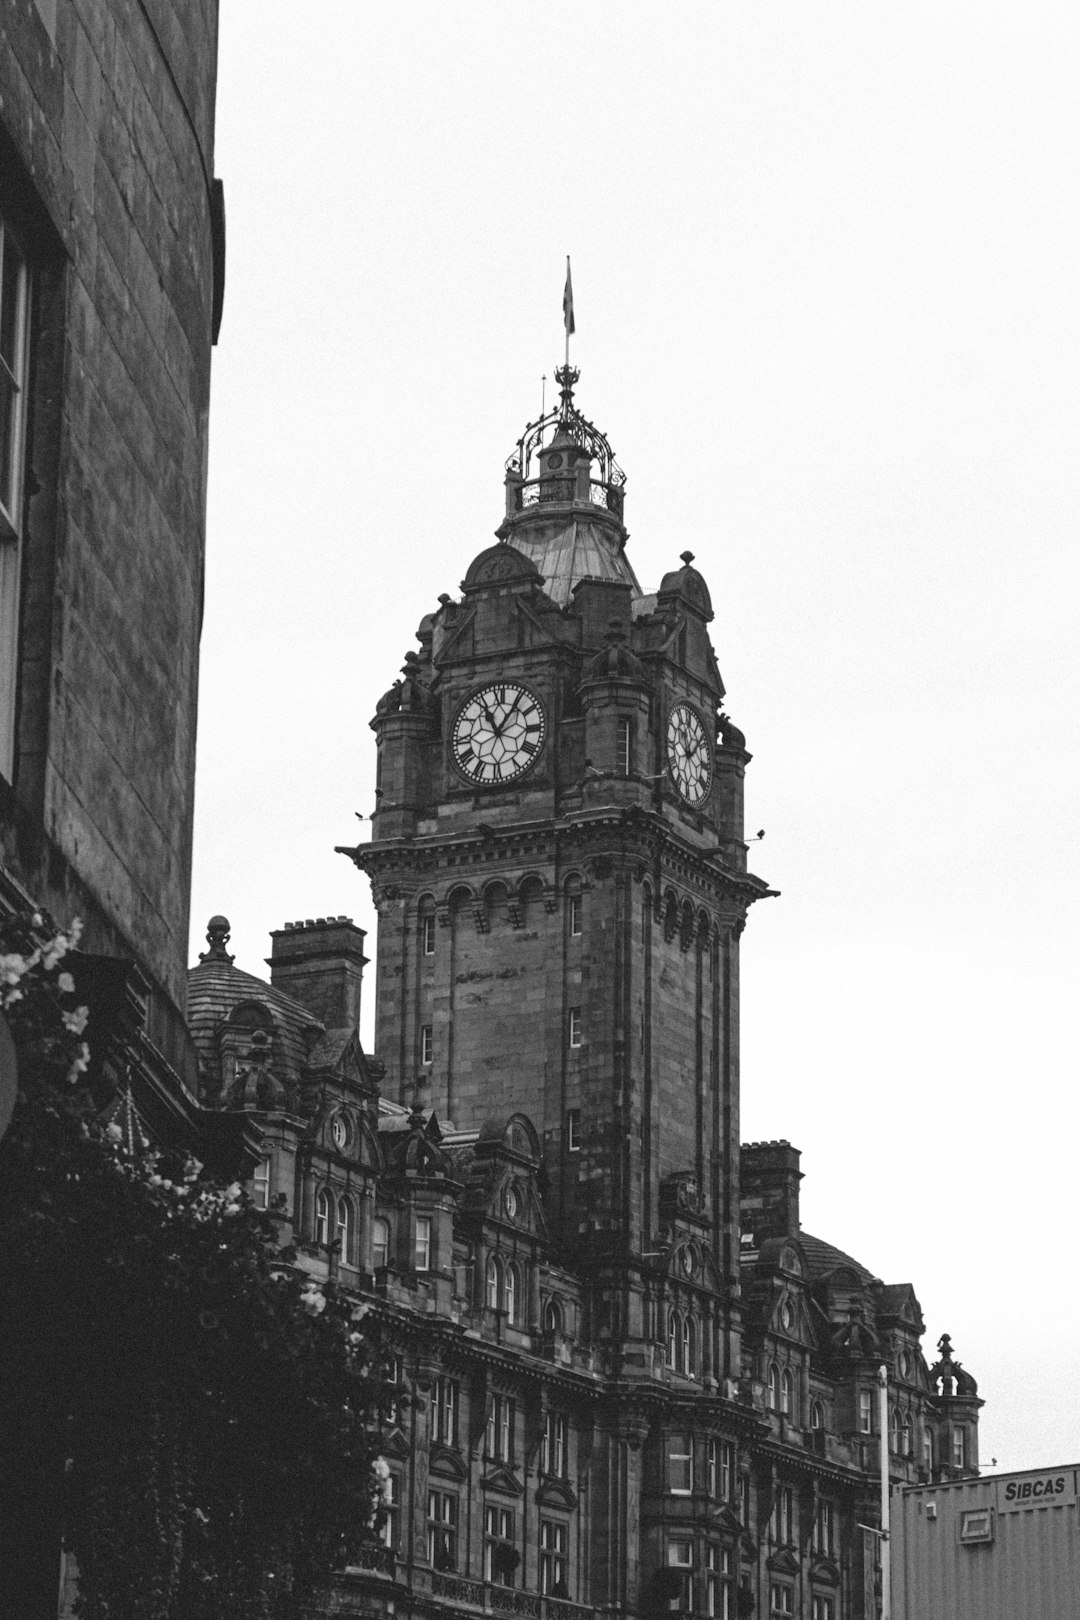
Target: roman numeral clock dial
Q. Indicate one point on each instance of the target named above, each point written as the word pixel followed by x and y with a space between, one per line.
pixel 498 733
pixel 689 753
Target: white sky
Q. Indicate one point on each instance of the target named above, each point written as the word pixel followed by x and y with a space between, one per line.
pixel 825 271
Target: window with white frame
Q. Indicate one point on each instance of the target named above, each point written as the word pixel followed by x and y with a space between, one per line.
pixel 727 1470
pixel 427 1043
pixel 345 1226
pixel 553 1316
pixel 444 1411
pixel 380 1242
pixel 500 1429
pixel 817 1415
pixel 781 1600
pixel 553 1563
pixel 866 1412
pixel 573 1130
pixel 772 1392
pixel 624 755
pixel 712 1467
pixel 680 1557
pixel 422 1259
pixel 14 352
pixel 681 1464
pixel 672 1356
pixel 718 1578
pixel 501 1557
pixel 260 1184
pixel 905 1433
pixel 427 935
pixel 442 1529
pixel 391 1529
pixel 493 1284
pixel 787 1392
pixel 575 915
pixel 511 1300
pixel 322 1217
pixel 825 1529
pixel 555 1437
pixel 958 1450
pixel 824 1606
pixel 928 1450
pixel 783 1516
pixel 686 1346
pixel 575 1026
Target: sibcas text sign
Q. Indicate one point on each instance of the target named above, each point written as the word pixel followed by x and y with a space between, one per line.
pixel 1056 1488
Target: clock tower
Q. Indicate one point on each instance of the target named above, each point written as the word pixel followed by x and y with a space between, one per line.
pixel 558 864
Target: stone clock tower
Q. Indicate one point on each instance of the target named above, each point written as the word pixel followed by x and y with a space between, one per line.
pixel 559 866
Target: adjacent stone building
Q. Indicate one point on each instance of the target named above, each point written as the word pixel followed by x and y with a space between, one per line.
pixel 630 1382
pixel 111 281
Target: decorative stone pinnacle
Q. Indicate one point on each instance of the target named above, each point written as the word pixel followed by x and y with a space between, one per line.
pixel 217 937
pixel 687 557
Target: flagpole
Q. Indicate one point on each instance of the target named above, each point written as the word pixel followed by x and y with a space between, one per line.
pixel 566 320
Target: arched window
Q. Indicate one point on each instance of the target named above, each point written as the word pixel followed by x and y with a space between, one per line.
pixel 380 1242
pixel 345 1230
pixel 553 1317
pixel 494 1284
pixel 772 1394
pixel 672 1339
pixel 817 1415
pixel 894 1427
pixel 511 1292
pixel 905 1433
pixel 322 1217
pixel 687 1346
pixel 787 1392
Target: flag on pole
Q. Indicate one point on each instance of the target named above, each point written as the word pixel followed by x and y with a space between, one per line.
pixel 568 301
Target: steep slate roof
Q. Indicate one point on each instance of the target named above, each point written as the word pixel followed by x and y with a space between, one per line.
pixel 581 550
pixel 215 987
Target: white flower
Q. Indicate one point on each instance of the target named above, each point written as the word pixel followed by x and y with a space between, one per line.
pixel 192 1169
pixel 53 951
pixel 81 1063
pixel 13 966
pixel 76 1021
pixel 233 1190
pixel 359 1312
pixel 312 1301
pixel 66 984
pixel 381 1469
pixel 11 997
pixel 114 1133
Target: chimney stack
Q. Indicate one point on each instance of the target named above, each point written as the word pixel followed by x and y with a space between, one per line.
pixel 769 1179
pixel 320 963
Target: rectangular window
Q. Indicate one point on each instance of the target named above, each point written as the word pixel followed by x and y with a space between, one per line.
pixel 260 1189
pixel 681 1465
pixel 500 1429
pixel 501 1557
pixel 575 914
pixel 401 1390
pixel 427 936
pixel 957 1446
pixel 744 1500
pixel 555 1431
pixel 783 1516
pixel 824 1608
pixel 442 1530
pixel 391 1530
pixel 625 747
pixel 718 1582
pixel 866 1412
pixel 680 1556
pixel 712 1467
pixel 781 1601
pixel 423 1243
pixel 553 1567
pixel 427 1043
pixel 727 1469
pixel 575 1026
pixel 14 347
pixel 573 1130
pixel 824 1529
pixel 445 1409
pixel 380 1242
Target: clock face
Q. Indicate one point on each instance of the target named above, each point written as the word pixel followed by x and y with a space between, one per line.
pixel 498 733
pixel 689 753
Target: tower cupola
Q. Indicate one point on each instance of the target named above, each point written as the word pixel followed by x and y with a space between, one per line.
pixel 564 498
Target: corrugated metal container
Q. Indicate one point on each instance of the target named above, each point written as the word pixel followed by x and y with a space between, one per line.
pixel 1004 1547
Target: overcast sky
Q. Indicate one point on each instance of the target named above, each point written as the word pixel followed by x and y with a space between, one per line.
pixel 826 262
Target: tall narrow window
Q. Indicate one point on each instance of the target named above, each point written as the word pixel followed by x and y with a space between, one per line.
pixel 445 1406
pixel 825 1529
pixel 686 1348
pixel 553 1559
pixel 957 1446
pixel 783 1516
pixel 380 1242
pixel 511 1292
pixel 817 1415
pixel 575 914
pixel 442 1530
pixel 500 1429
pixel 773 1389
pixel 787 1392
pixel 712 1467
pixel 680 1556
pixel 575 1026
pixel 427 935
pixel 718 1582
pixel 322 1217
pixel 422 1261
pixel 344 1231
pixel 391 1530
pixel 427 1043
pixel 866 1412
pixel 727 1469
pixel 824 1607
pixel 14 325
pixel 928 1451
pixel 493 1284
pixel 624 751
pixel 781 1601
pixel 573 1130
pixel 501 1557
pixel 681 1464
pixel 672 1340
pixel 555 1432
pixel 553 1317
pixel 260 1184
